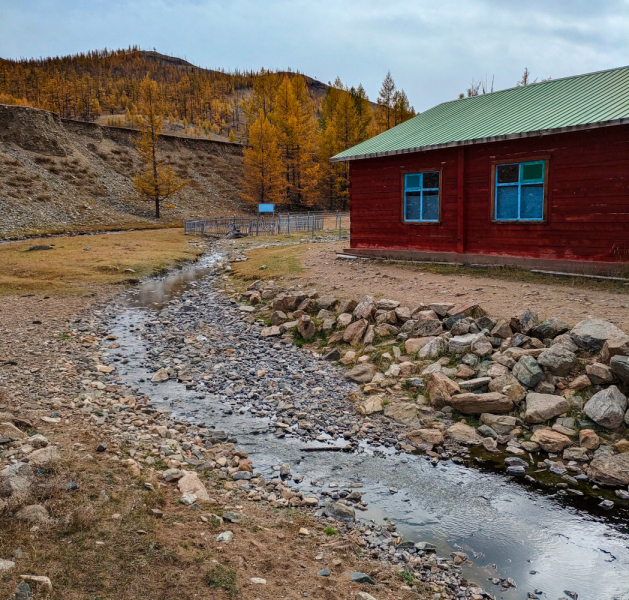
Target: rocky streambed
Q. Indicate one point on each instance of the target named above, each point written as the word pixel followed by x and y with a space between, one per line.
pixel 206 361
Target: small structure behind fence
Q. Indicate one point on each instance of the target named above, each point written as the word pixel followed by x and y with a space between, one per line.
pixel 281 223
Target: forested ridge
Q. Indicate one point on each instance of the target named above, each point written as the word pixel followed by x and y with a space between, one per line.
pixel 291 123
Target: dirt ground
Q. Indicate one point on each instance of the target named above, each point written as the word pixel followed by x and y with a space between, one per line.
pixel 99 548
pixel 565 299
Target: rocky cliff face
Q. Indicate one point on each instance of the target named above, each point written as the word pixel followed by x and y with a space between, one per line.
pixel 57 174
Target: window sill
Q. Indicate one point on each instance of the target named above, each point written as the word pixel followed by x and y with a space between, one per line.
pixel 421 222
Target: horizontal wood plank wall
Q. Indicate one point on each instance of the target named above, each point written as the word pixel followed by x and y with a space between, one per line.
pixel 588 199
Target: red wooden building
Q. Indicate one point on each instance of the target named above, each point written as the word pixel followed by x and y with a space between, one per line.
pixel 536 176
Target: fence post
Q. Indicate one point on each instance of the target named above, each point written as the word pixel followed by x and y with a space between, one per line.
pixel 313 225
pixel 340 222
pixel 288 224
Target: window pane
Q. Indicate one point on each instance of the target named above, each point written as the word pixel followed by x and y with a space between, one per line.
pixel 431 207
pixel 507 202
pixel 533 172
pixel 508 173
pixel 413 206
pixel 431 180
pixel 412 181
pixel 532 203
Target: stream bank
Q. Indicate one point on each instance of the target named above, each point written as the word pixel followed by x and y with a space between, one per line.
pixel 541 542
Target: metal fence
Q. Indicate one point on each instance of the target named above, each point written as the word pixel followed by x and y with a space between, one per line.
pixel 281 223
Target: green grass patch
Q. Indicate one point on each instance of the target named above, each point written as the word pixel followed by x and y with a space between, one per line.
pixel 222 577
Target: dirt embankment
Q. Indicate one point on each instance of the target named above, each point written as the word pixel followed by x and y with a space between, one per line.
pixel 57 174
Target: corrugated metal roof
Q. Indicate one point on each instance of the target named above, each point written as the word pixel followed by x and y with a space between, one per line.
pixel 583 101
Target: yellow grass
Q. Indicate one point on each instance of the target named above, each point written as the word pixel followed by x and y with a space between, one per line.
pixel 281 261
pixel 69 269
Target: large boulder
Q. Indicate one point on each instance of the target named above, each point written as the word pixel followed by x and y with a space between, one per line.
pixel 387 304
pixel 8 431
pixel 347 306
pixel 607 407
pixel 592 334
pixel 501 424
pixel 474 404
pixel 413 345
pixel 327 302
pixel 527 371
pixel 461 343
pixel 339 511
pixel 557 360
pixel 464 434
pixel 600 374
pixel 610 470
pixel 551 441
pixel 365 309
pixel 620 367
pixel 525 322
pixel 481 346
pixel 306 327
pixel 434 348
pixel 440 388
pixel 354 332
pixel 404 412
pixel 362 373
pixel 432 437
pixel 428 328
pixel 191 484
pixel 373 404
pixel 543 407
pixel 549 329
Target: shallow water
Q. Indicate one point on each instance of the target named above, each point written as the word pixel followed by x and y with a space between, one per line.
pixel 541 541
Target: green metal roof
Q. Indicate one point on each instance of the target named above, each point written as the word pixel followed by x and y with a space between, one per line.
pixel 580 102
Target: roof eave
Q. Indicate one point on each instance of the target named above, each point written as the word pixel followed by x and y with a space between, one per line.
pixel 485 140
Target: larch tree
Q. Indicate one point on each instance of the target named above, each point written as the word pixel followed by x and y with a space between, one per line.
pixel 156 181
pixel 263 180
pixel 386 99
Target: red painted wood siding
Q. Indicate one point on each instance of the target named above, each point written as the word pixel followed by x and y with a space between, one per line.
pixel 587 210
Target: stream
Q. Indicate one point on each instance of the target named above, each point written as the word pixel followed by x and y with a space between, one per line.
pixel 545 542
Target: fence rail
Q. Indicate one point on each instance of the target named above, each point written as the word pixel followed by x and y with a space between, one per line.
pixel 282 223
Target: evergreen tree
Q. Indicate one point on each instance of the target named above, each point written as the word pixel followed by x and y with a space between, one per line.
pixel 156 181
pixel 386 100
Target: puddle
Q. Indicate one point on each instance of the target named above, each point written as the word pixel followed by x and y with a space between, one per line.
pixel 541 541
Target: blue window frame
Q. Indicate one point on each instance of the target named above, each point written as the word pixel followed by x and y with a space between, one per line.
pixel 421 197
pixel 519 191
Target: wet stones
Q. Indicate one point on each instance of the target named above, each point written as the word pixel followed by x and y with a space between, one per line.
pixel 543 407
pixel 462 433
pixel 551 441
pixel 501 424
pixel 339 511
pixel 610 470
pixel 607 408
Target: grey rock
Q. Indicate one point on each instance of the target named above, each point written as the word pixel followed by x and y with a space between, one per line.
pixel 475 384
pixel 461 343
pixel 35 513
pixel 365 309
pixel 557 360
pixel 527 371
pixel 362 373
pixel 610 470
pixel 525 322
pixel 543 407
pixel 339 511
pixel 620 367
pixel 607 407
pixel 549 329
pixel 362 578
pixel 600 374
pixel 592 334
pixel 501 424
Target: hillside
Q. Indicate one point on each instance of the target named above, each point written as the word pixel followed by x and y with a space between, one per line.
pixel 58 174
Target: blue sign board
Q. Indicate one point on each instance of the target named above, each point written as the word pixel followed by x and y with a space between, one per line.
pixel 266 208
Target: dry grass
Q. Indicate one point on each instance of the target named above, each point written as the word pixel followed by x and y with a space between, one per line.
pixel 68 268
pixel 281 261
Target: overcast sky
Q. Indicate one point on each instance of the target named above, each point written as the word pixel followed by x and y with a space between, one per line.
pixel 433 49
